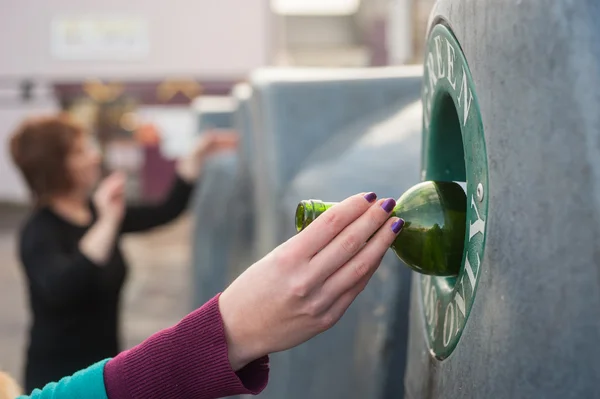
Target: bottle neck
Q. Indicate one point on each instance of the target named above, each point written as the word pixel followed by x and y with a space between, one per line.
pixel 308 210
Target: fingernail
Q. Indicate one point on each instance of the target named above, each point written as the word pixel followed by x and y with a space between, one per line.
pixel 397 226
pixel 388 205
pixel 370 197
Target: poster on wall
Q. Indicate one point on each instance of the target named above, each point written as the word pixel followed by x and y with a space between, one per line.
pixel 95 38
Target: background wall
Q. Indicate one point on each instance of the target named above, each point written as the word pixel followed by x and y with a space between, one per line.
pixel 224 37
pixel 197 39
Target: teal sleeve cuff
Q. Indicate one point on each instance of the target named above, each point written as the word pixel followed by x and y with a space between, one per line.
pixel 85 384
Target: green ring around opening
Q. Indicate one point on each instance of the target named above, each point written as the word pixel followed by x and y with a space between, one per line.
pixel 453 150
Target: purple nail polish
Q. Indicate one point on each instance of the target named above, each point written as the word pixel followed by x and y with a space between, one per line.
pixel 370 197
pixel 388 205
pixel 397 226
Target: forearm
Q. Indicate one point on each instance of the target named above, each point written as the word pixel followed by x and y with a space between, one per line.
pixel 145 217
pixel 189 360
pixel 187 169
pixel 98 243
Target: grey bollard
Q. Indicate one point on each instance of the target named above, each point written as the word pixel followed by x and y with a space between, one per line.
pixel 241 206
pixel 298 110
pixel 364 355
pixel 243 123
pixel 210 243
pixel 523 318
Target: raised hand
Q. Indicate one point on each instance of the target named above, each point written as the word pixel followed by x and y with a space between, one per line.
pixel 109 198
pixel 210 143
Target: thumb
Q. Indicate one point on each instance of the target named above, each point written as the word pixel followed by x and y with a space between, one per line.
pixel 116 177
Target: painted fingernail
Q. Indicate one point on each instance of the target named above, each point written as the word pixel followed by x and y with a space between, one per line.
pixel 397 226
pixel 370 197
pixel 388 205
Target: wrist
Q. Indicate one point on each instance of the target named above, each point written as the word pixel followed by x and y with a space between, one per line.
pixel 188 170
pixel 109 220
pixel 242 348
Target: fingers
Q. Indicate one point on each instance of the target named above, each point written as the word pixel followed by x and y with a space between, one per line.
pixel 219 141
pixel 111 187
pixel 327 226
pixel 114 178
pixel 355 274
pixel 339 307
pixel 339 303
pixel 228 139
pixel 347 244
pixel 114 182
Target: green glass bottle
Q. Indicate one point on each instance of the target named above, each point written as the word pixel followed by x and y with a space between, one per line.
pixel 432 239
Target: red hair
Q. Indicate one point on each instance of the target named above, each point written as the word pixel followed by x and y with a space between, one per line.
pixel 40 148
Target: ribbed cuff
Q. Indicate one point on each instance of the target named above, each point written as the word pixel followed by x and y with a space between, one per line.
pixel 189 360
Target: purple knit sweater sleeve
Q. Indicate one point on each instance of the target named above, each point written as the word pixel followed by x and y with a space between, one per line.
pixel 188 360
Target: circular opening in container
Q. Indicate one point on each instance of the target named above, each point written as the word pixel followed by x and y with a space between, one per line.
pixel 446 153
pixel 446 157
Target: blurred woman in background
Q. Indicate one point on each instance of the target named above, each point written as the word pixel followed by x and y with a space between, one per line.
pixel 69 245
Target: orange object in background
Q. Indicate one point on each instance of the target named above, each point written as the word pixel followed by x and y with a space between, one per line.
pixel 147 135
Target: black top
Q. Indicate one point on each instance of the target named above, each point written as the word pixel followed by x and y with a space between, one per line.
pixel 74 303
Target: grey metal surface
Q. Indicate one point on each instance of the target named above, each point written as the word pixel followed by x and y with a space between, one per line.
pixel 211 242
pixel 534 328
pixel 241 206
pixel 296 112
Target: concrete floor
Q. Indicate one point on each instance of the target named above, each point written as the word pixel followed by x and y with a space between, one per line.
pixel 157 294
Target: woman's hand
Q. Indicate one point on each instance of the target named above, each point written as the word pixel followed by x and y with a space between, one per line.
pixel 98 243
pixel 305 285
pixel 109 198
pixel 189 167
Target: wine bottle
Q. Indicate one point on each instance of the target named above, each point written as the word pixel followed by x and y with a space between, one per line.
pixel 432 239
